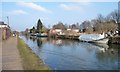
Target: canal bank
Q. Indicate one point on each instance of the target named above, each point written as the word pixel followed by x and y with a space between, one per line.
pixel 111 40
pixel 114 40
pixel 30 61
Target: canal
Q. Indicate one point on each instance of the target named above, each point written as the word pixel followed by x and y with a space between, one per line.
pixel 66 54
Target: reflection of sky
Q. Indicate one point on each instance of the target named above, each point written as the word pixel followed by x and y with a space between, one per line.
pixel 74 55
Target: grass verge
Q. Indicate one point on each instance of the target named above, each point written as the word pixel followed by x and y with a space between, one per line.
pixel 29 60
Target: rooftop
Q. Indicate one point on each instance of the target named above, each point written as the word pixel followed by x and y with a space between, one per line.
pixel 2 23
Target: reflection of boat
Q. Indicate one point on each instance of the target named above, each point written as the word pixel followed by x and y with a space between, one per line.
pixel 59 42
pixel 101 47
pixel 97 38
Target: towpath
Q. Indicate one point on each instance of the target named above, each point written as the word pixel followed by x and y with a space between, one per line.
pixel 11 59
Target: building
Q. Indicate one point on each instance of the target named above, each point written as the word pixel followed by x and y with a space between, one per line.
pixel 55 31
pixel 5 31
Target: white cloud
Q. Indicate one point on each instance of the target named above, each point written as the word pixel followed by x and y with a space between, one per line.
pixel 69 7
pixel 18 12
pixel 93 0
pixel 34 6
pixel 61 0
pixel 85 3
pixel 81 0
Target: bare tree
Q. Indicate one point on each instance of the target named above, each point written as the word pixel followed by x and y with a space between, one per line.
pixel 100 18
pixel 59 25
pixel 93 22
pixel 86 25
pixel 119 17
pixel 114 16
pixel 119 11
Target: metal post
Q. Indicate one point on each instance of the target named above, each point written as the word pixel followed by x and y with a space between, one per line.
pixel 8 20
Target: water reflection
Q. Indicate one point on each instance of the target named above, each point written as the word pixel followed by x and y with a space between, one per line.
pixel 39 42
pixel 74 55
pixel 109 54
pixel 33 38
pixel 60 42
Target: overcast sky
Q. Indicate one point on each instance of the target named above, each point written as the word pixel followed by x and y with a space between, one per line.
pixel 24 15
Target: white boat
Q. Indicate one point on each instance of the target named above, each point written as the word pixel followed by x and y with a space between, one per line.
pixel 97 38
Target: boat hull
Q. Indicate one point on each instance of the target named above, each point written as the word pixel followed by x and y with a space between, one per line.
pixel 104 41
pixel 33 34
pixel 42 36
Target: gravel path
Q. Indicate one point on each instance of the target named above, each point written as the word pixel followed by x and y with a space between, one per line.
pixel 11 59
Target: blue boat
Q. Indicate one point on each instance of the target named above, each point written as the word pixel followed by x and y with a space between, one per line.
pixel 33 34
pixel 42 35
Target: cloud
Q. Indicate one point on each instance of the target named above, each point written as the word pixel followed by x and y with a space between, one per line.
pixel 34 6
pixel 61 0
pixel 69 7
pixel 92 1
pixel 80 0
pixel 85 3
pixel 18 12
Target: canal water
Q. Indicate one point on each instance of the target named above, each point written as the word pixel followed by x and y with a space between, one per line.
pixel 66 54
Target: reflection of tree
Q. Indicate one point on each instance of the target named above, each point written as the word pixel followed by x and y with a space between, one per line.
pixel 101 56
pixel 30 37
pixel 34 39
pixel 107 56
pixel 39 42
pixel 115 47
pixel 27 37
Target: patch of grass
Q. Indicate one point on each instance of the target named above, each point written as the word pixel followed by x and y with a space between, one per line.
pixel 29 60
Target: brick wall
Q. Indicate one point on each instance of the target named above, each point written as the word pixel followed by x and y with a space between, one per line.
pixel 5 33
